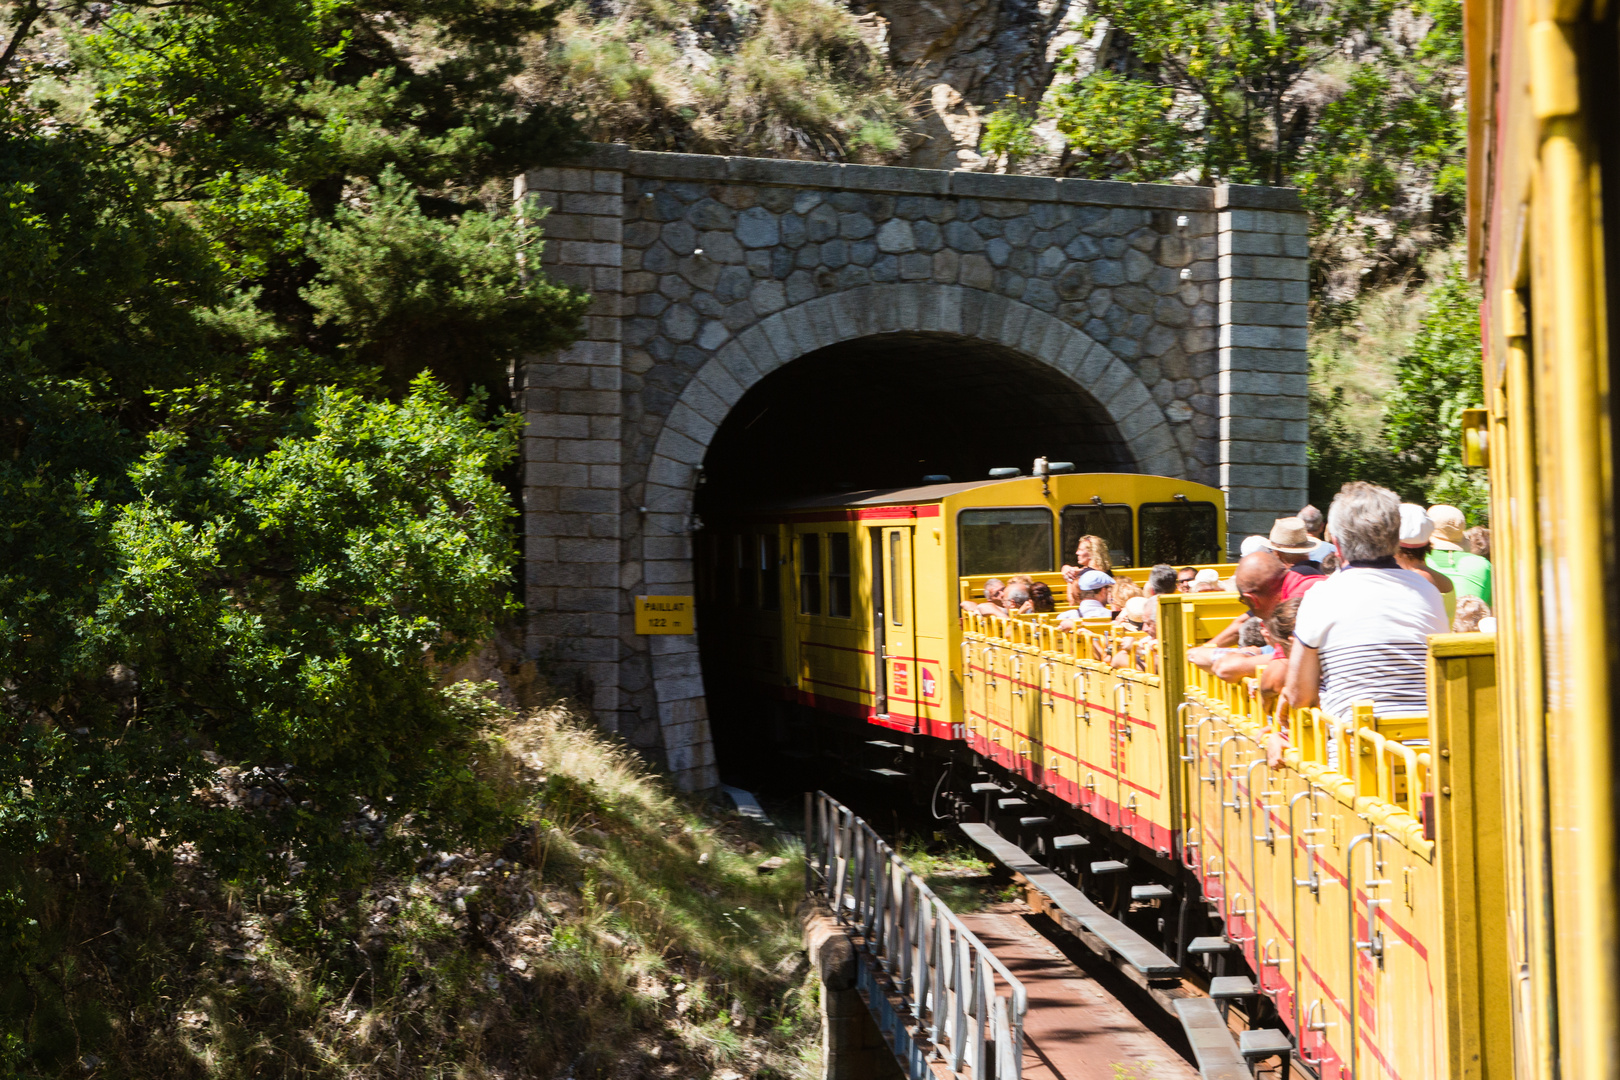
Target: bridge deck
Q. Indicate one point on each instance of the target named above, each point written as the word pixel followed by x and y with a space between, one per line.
pixel 1075 1030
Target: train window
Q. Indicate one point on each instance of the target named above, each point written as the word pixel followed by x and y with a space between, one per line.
pixel 810 574
pixel 1111 521
pixel 1012 541
pixel 770 580
pixel 896 607
pixel 718 566
pixel 1180 533
pixel 838 575
pixel 747 580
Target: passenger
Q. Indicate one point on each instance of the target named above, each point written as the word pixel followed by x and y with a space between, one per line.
pixel 1258 583
pixel 1263 643
pixel 1090 553
pixel 1471 614
pixel 1092 588
pixel 1414 548
pixel 1161 580
pixel 1479 541
pixel 1138 617
pixel 1470 573
pixel 1252 544
pixel 1293 547
pixel 1330 562
pixel 1040 598
pixel 1125 590
pixel 1314 526
pixel 994 594
pixel 1208 580
pixel 1280 636
pixel 1185 578
pixel 1362 635
pixel 1017 599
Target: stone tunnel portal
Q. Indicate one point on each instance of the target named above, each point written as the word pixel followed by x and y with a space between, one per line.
pixel 885 411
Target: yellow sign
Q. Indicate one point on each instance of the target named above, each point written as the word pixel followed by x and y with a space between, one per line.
pixel 663 615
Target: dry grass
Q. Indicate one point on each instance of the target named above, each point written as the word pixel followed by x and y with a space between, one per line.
pixel 624 932
pixel 1359 352
pixel 768 78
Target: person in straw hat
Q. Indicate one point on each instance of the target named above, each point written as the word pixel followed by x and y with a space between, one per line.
pixel 1293 545
pixel 1470 573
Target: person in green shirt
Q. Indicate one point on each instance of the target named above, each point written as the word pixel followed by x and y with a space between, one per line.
pixel 1470 573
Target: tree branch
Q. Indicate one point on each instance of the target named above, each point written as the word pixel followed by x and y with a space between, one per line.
pixel 25 26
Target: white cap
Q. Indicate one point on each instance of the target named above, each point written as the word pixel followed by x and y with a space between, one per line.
pixel 1136 609
pixel 1252 544
pixel 1416 527
pixel 1209 573
pixel 1487 625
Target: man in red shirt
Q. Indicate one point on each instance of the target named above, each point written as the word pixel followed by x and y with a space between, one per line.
pixel 1293 545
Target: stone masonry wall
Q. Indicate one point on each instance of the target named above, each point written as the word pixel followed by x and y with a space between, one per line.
pixel 1179 309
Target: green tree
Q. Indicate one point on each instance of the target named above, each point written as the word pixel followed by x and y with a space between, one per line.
pixel 258 295
pixel 1328 97
pixel 1418 449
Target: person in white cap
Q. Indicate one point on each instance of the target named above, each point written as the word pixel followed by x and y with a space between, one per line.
pixel 1416 529
pixel 1207 580
pixel 1093 586
pixel 1252 544
pixel 1470 573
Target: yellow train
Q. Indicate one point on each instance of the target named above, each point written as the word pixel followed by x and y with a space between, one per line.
pixel 1416 896
pixel 1325 876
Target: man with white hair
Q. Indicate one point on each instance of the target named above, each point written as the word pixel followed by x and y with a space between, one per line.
pixel 1362 634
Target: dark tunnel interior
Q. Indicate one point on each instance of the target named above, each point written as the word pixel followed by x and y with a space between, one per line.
pixel 881 412
pixel 886 411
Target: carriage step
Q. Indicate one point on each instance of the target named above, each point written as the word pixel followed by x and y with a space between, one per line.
pixel 1109 866
pixel 884 743
pixel 1257 1044
pixel 1073 840
pixel 1210 945
pixel 1151 892
pixel 980 789
pixel 1008 804
pixel 887 772
pixel 1031 822
pixel 1231 986
pixel 1212 1045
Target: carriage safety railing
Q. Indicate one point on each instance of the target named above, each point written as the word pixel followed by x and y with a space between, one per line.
pixel 1365 761
pixel 1093 639
pixel 961 998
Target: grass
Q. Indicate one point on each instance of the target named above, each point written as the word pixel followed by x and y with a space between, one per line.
pixel 958 876
pixel 1358 353
pixel 625 932
pixel 769 78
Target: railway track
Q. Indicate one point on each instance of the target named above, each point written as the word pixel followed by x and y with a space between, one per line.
pixel 1064 988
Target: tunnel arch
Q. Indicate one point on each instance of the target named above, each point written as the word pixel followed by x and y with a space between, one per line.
pixel 739 364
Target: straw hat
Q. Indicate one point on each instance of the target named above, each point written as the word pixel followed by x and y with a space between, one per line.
pixel 1289 536
pixel 1448 527
pixel 1416 528
pixel 1136 609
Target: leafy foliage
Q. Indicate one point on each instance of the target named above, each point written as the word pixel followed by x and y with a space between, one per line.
pixel 1009 132
pixel 250 259
pixel 1418 448
pixel 1356 102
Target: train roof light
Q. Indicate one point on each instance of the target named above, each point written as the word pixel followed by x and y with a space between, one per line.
pixel 936 478
pixel 1003 474
pixel 1055 467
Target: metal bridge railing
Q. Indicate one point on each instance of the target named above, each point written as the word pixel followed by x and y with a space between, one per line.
pixel 947 978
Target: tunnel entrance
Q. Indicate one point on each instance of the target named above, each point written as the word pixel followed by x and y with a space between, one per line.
pixel 878 412
pixel 886 411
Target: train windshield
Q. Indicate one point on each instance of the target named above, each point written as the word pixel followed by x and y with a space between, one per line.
pixel 1004 541
pixel 1180 533
pixel 1111 521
